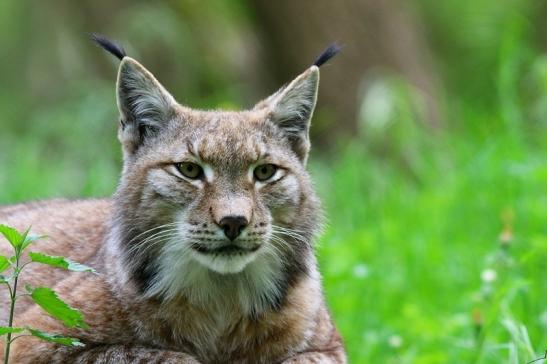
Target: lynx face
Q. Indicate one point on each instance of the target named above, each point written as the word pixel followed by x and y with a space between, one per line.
pixel 215 206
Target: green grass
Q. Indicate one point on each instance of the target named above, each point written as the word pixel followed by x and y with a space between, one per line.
pixel 402 257
pixel 420 220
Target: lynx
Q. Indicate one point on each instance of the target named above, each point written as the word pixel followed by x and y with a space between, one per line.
pixel 205 251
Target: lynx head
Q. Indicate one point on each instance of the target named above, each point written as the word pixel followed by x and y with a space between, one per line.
pixel 215 206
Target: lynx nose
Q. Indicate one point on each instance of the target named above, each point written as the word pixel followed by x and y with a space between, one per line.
pixel 232 226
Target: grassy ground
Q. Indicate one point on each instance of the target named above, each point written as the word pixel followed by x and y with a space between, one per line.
pixel 449 268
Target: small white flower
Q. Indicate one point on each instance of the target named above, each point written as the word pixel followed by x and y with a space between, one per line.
pixel 360 270
pixel 371 337
pixel 395 341
pixel 543 318
pixel 488 275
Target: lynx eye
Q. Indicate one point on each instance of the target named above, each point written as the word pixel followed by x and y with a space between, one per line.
pixel 190 170
pixel 264 172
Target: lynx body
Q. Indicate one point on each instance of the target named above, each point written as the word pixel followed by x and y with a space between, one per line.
pixel 205 252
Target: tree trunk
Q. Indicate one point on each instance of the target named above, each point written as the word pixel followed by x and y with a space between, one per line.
pixel 375 33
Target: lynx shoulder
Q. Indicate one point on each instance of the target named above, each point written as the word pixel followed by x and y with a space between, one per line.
pixel 205 251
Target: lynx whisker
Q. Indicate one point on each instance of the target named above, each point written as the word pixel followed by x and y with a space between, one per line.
pixel 290 233
pixel 149 230
pixel 278 243
pixel 151 239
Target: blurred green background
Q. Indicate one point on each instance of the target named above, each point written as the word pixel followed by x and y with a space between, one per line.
pixel 430 145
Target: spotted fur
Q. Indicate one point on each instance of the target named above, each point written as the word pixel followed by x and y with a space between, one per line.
pixel 172 288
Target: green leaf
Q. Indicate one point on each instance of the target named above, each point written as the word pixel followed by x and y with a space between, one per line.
pixel 4 263
pixel 4 279
pixel 56 338
pixel 7 330
pixel 12 235
pixel 30 239
pixel 59 262
pixel 52 304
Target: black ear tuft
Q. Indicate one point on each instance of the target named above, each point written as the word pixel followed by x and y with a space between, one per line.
pixel 109 46
pixel 327 54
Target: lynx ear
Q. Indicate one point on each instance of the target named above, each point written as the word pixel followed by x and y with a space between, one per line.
pixel 291 109
pixel 143 102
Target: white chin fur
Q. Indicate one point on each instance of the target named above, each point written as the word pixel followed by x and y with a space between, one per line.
pixel 224 264
pixel 249 280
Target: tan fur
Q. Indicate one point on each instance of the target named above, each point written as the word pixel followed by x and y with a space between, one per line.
pixel 154 300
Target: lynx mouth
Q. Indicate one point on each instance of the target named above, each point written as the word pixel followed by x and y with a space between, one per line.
pixel 230 249
pixel 229 258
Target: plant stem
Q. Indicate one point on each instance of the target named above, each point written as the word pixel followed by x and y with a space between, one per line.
pixel 18 336
pixel 12 308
